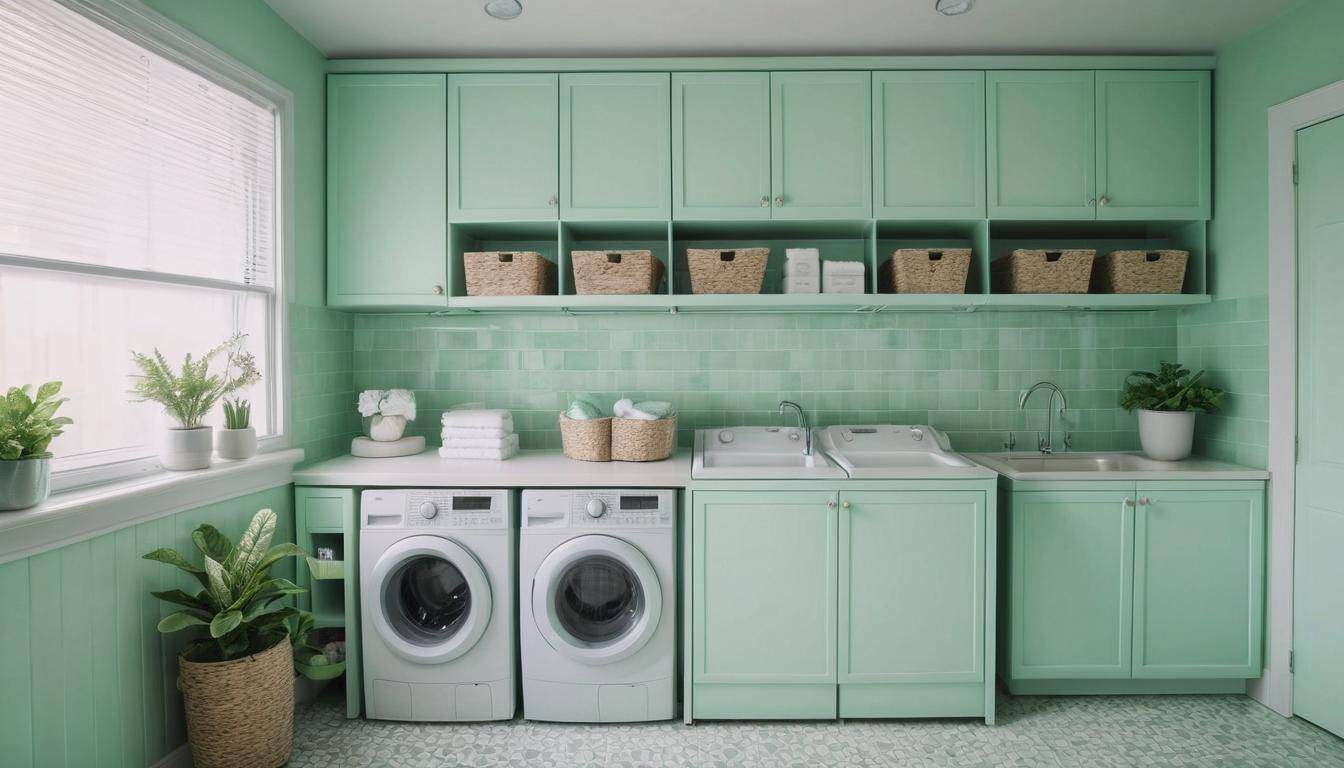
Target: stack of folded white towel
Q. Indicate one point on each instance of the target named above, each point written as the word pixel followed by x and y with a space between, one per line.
pixel 478 434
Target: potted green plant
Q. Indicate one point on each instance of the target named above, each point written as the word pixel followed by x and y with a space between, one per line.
pixel 28 424
pixel 189 395
pixel 1167 401
pixel 237 674
pixel 238 439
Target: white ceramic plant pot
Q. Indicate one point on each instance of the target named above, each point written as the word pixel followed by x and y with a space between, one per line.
pixel 184 449
pixel 24 483
pixel 387 429
pixel 236 444
pixel 1167 435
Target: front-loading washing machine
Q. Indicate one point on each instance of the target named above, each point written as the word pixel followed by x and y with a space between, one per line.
pixel 437 585
pixel 597 604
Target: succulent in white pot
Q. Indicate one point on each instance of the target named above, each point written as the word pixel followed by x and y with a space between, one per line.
pixel 1167 401
pixel 386 412
pixel 28 424
pixel 238 439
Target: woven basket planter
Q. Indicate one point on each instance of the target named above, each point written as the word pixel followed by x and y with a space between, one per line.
pixel 1140 272
pixel 727 271
pixel 240 713
pixel 925 270
pixel 508 273
pixel 616 272
pixel 1028 270
pixel 643 440
pixel 586 439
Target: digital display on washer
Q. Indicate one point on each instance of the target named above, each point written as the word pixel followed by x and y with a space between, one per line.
pixel 472 503
pixel 639 503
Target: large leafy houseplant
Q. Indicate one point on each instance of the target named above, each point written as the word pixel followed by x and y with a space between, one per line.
pixel 1167 400
pixel 28 424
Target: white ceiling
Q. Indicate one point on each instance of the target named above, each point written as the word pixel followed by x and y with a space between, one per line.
pixel 457 28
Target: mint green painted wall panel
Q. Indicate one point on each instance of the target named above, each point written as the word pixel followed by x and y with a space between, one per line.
pixel 503 147
pixel 1041 145
pixel 16 675
pixel 48 667
pixel 1154 149
pixel 615 146
pixel 75 648
pixel 929 145
pixel 821 145
pixel 1198 582
pixel 387 191
pixel 106 700
pixel 721 145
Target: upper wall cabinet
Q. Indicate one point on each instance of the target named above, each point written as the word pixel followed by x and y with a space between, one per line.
pixel 1042 150
pixel 721 145
pixel 821 145
pixel 387 240
pixel 503 147
pixel 1153 151
pixel 615 146
pixel 929 145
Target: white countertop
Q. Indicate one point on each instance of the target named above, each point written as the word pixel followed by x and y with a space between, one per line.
pixel 529 469
pixel 1193 468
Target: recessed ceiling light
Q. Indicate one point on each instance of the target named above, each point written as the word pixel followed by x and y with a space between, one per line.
pixel 953 7
pixel 504 9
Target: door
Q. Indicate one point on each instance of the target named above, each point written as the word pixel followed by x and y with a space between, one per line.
pixel 503 147
pixel 1070 582
pixel 387 238
pixel 615 146
pixel 1153 145
pixel 821 145
pixel 1318 560
pixel 1198 582
pixel 434 599
pixel 1041 145
pixel 721 145
pixel 929 145
pixel 912 587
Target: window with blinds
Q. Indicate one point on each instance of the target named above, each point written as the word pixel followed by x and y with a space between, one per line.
pixel 138 210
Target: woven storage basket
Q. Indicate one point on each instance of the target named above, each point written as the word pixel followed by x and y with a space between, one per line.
pixel 1140 272
pixel 1028 270
pixel 508 273
pixel 608 272
pixel 240 714
pixel 925 270
pixel 740 270
pixel 643 440
pixel 586 439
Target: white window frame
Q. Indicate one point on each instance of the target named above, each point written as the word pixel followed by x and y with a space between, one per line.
pixel 149 29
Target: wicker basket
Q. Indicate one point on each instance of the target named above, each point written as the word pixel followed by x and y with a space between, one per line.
pixel 643 440
pixel 586 439
pixel 1037 271
pixel 925 270
pixel 616 272
pixel 727 271
pixel 508 273
pixel 1140 272
pixel 240 714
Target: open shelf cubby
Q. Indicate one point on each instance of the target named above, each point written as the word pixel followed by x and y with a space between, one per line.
pixel 651 236
pixel 327 596
pixel 973 234
pixel 539 236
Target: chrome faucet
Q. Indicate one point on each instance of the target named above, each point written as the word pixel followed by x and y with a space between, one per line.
pixel 802 422
pixel 1046 444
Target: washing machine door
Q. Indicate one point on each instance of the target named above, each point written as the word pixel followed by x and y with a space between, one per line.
pixel 596 599
pixel 433 599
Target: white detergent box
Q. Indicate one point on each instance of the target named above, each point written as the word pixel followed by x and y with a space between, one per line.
pixel 837 268
pixel 796 268
pixel 802 254
pixel 842 284
pixel 801 284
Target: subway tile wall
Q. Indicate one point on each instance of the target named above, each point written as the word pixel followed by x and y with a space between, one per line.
pixel 1230 338
pixel 322 392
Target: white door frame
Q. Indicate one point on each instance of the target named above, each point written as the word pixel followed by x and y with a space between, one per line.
pixel 1275 688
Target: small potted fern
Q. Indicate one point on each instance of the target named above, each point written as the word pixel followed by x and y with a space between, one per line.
pixel 1167 401
pixel 28 424
pixel 238 439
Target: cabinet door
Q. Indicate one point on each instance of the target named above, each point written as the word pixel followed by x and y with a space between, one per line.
pixel 721 145
pixel 504 147
pixel 912 587
pixel 387 239
pixel 1198 582
pixel 821 145
pixel 1071 576
pixel 1042 145
pixel 334 511
pixel 1153 145
pixel 615 146
pixel 929 145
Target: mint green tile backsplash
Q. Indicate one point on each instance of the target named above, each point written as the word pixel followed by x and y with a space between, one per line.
pixel 322 388
pixel 1230 338
pixel 960 372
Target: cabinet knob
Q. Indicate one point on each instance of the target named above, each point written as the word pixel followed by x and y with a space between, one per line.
pixel 831 503
pixel 438 290
pixel 1129 502
pixel 1144 501
pixel 1091 201
pixel 553 201
pixel 779 200
pixel 1105 200
pixel 845 504
pixel 765 201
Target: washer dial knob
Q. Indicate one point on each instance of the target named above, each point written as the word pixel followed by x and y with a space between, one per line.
pixel 428 510
pixel 596 508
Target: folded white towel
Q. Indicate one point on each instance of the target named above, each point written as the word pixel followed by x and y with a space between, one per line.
pixel 475 433
pixel 831 268
pixel 450 441
pixel 802 254
pixel 794 284
pixel 491 454
pixel 492 419
pixel 802 269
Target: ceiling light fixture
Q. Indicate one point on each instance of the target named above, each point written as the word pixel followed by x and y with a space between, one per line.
pixel 504 9
pixel 953 7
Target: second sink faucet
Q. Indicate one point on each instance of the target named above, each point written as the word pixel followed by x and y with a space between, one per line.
pixel 1046 444
pixel 802 422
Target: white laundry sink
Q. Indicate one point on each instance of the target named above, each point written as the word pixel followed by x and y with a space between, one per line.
pixel 889 451
pixel 1116 465
pixel 759 453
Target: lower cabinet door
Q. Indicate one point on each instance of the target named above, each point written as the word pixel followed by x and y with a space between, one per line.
pixel 1198 582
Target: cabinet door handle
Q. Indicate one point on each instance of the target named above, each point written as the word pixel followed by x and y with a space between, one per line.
pixel 438 290
pixel 831 503
pixel 1129 502
pixel 1105 200
pixel 779 201
pixel 765 201
pixel 553 201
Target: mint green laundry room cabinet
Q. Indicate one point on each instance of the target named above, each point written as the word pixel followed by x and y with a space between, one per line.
pixel 721 145
pixel 821 145
pixel 929 145
pixel 503 146
pixel 1041 145
pixel 615 146
pixel 387 238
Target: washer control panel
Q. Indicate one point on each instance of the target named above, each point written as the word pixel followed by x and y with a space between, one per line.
pixel 593 508
pixel 435 508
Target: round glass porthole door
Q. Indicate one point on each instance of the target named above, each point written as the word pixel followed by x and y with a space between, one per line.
pixel 434 599
pixel 596 599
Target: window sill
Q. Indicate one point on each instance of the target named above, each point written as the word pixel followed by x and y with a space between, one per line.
pixel 76 515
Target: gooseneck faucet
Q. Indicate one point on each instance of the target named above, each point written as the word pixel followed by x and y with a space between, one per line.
pixel 802 422
pixel 1046 444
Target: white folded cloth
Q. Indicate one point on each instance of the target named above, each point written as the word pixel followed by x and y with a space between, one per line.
pixel 452 441
pixel 481 418
pixel 802 254
pixel 801 269
pixel 475 433
pixel 800 284
pixel 491 454
pixel 829 268
pixel 842 284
